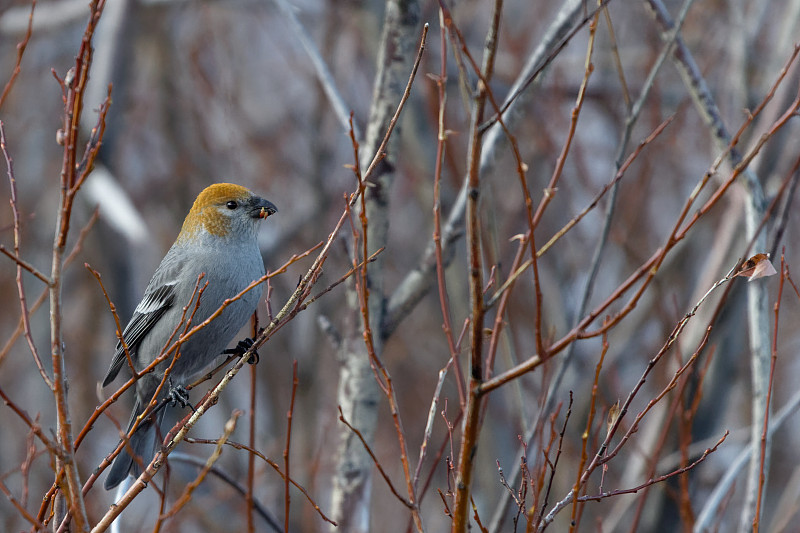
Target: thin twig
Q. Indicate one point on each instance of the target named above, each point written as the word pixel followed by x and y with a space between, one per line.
pixel 18 260
pixel 186 495
pixel 659 479
pixel 324 76
pixel 473 408
pixel 585 437
pixel 23 302
pixel 377 463
pixel 444 303
pixel 20 507
pixel 286 495
pixel 73 175
pixel 223 475
pixel 35 428
pixel 21 46
pixel 602 457
pixel 423 447
pixel 251 419
pixel 117 323
pixel 765 431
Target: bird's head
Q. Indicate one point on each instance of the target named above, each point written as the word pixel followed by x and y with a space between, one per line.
pixel 225 211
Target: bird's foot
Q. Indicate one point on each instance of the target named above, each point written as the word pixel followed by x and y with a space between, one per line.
pixel 241 348
pixel 178 395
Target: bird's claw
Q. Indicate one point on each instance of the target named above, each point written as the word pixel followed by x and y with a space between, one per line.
pixel 179 396
pixel 241 348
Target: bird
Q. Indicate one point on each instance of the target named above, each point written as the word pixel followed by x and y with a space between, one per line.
pixel 218 241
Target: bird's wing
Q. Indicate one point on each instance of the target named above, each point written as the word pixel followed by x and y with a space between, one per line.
pixel 158 297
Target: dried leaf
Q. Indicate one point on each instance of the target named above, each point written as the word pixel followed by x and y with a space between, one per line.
pixel 613 414
pixel 758 266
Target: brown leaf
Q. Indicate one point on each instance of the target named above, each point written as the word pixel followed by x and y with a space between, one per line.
pixel 758 266
pixel 613 414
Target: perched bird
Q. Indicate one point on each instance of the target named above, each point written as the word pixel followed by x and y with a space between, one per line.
pixel 218 240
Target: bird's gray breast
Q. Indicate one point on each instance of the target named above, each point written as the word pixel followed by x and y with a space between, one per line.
pixel 224 277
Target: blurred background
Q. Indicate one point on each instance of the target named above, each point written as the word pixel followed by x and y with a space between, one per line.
pixel 208 91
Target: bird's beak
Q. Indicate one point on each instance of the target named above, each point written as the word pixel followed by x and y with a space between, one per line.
pixel 263 208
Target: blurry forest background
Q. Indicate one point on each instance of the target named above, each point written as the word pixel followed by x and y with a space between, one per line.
pixel 207 91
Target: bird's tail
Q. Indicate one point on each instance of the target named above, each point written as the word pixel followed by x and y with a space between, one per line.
pixel 138 451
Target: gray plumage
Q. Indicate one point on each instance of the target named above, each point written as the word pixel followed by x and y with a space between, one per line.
pixel 218 239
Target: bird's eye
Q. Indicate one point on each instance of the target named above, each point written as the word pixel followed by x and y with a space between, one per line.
pixel 232 204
